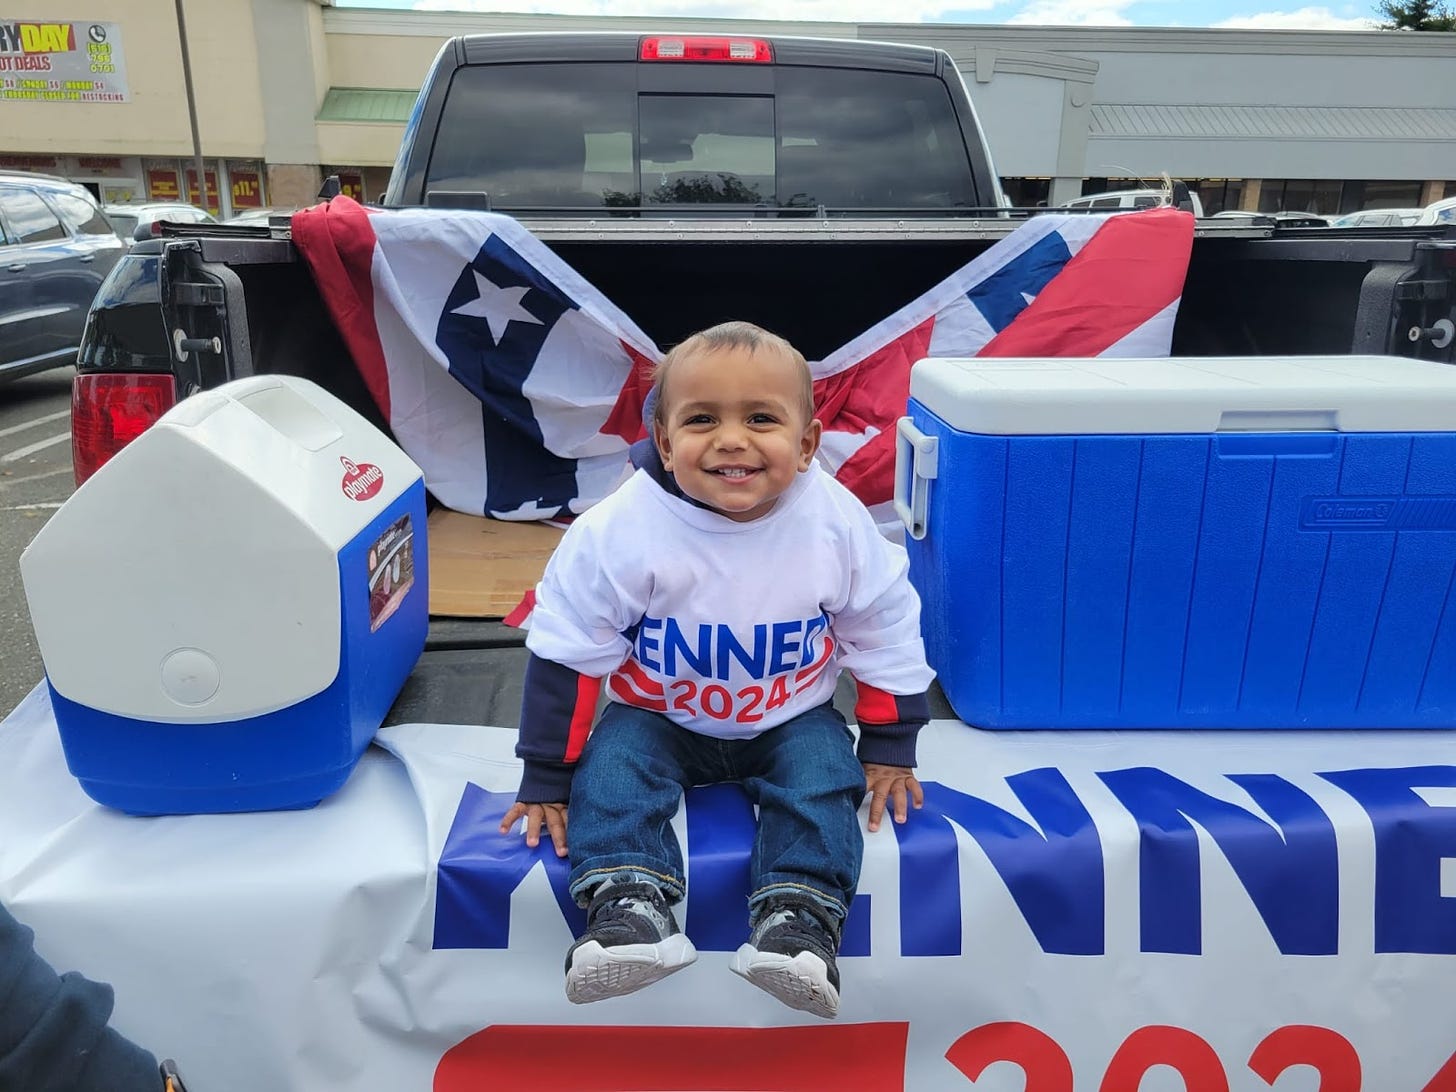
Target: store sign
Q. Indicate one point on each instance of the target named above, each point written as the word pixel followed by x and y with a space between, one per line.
pixel 62 62
pixel 29 162
pixel 162 184
pixel 195 198
pixel 247 188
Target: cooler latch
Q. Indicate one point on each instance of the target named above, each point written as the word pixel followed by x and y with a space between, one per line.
pixel 917 461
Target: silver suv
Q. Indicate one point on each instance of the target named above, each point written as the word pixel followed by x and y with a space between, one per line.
pixel 56 246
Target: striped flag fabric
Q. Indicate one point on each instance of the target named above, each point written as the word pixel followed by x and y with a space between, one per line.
pixel 517 386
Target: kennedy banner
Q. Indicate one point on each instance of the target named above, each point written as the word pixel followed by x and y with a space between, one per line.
pixel 61 62
pixel 1099 911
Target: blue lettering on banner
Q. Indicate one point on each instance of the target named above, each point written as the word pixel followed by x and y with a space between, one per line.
pixel 1054 874
pixel 1411 839
pixel 1053 868
pixel 1291 872
pixel 480 867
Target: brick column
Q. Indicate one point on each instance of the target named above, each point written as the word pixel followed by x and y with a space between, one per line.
pixel 295 184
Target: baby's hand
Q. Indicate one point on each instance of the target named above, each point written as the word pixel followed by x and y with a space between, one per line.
pixel 894 783
pixel 553 815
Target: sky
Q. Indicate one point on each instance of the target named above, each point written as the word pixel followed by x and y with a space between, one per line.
pixel 1247 14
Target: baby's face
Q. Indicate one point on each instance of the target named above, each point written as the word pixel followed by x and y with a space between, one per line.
pixel 735 432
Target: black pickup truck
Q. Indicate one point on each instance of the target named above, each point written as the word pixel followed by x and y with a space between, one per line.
pixel 693 180
pixel 1222 904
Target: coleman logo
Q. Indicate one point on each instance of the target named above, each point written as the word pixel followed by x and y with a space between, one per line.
pixel 361 481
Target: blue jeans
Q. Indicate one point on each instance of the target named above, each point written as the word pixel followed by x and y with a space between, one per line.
pixel 803 775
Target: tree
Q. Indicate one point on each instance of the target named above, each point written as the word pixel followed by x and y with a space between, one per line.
pixel 1416 15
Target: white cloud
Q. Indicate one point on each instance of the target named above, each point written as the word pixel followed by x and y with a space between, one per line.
pixel 850 11
pixel 1068 13
pixel 1303 19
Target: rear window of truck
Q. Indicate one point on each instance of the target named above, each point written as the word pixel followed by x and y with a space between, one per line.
pixel 542 137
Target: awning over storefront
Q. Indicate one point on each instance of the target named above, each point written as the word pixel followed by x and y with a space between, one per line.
pixel 1159 121
pixel 367 104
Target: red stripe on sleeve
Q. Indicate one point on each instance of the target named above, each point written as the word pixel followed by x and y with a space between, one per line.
pixel 874 706
pixel 522 610
pixel 587 689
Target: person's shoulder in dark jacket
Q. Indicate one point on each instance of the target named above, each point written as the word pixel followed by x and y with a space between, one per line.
pixel 54 1030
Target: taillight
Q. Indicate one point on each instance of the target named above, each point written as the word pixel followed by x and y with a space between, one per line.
pixel 110 411
pixel 744 50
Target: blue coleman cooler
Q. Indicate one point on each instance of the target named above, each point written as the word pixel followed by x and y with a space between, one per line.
pixel 1195 543
pixel 228 608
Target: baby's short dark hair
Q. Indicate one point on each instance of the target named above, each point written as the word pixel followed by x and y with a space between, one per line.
pixel 732 335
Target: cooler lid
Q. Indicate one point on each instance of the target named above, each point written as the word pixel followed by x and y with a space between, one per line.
pixel 1099 396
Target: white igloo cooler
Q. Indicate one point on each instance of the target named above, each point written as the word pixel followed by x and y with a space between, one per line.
pixel 228 608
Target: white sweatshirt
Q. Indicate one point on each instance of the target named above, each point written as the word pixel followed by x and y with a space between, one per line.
pixel 731 628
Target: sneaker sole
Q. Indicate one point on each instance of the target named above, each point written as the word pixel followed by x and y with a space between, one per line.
pixel 801 982
pixel 598 973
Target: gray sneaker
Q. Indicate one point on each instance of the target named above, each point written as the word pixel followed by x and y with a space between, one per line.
pixel 791 954
pixel 631 941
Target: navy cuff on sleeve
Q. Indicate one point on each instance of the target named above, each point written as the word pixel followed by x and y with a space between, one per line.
pixel 889 744
pixel 545 782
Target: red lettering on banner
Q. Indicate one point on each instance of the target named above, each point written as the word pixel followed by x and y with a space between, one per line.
pixel 862 1057
pixel 868 1057
pixel 1329 1052
pixel 1445 1078
pixel 1041 1059
pixel 1159 1044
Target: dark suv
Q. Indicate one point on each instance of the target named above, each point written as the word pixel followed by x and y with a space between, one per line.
pixel 56 246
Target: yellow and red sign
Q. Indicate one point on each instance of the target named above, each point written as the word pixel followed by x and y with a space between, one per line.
pixel 195 198
pixel 61 62
pixel 162 184
pixel 247 188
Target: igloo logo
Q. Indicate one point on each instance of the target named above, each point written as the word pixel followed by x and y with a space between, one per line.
pixel 361 480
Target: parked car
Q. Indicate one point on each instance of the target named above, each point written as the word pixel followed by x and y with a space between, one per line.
pixel 259 216
pixel 1129 199
pixel 1279 219
pixel 1378 218
pixel 129 218
pixel 1439 212
pixel 56 247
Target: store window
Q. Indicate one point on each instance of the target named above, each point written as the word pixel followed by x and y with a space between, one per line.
pixel 1027 193
pixel 1330 197
pixel 1385 195
pixel 1218 194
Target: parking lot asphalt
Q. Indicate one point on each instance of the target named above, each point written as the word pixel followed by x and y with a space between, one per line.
pixel 35 479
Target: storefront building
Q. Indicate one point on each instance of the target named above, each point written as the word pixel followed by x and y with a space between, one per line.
pixel 290 91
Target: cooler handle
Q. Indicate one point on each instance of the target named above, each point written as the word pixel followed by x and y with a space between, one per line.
pixel 917 461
